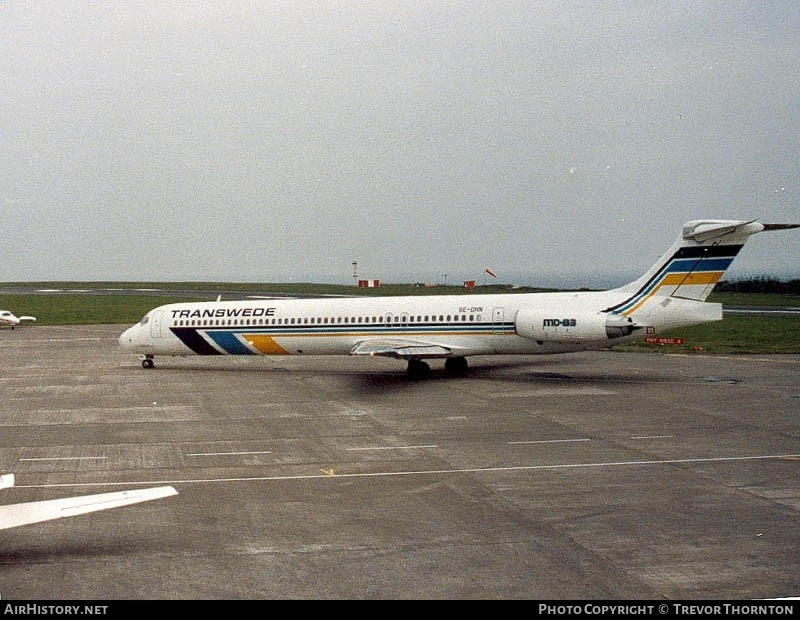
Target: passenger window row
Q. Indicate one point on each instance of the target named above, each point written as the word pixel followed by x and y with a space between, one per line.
pixel 374 320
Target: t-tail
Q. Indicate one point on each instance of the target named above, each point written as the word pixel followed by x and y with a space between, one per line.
pixel 673 292
pixel 670 295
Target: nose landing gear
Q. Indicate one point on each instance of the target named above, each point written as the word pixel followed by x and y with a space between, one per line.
pixel 147 361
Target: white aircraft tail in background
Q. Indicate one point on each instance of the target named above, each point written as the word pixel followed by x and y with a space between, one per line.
pixel 669 295
pixel 7 319
pixel 14 515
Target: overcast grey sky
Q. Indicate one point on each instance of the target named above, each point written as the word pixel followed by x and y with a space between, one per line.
pixel 281 141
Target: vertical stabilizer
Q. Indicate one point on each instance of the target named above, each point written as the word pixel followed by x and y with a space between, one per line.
pixel 694 264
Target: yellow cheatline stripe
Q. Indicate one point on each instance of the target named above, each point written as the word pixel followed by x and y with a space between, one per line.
pixel 709 277
pixel 265 344
pixel 679 279
pixel 385 334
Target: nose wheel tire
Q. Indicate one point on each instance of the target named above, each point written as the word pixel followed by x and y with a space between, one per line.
pixel 147 361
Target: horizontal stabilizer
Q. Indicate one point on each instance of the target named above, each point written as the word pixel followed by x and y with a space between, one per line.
pixel 703 231
pixel 780 226
pixel 14 515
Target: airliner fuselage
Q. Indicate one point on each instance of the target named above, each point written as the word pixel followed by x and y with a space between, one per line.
pixel 670 294
pixel 468 324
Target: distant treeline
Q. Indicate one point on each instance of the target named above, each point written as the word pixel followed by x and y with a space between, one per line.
pixel 760 285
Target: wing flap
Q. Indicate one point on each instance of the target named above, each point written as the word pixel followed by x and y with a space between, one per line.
pixel 401 349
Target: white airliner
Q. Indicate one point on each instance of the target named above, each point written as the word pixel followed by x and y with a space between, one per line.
pixel 14 515
pixel 7 319
pixel 670 294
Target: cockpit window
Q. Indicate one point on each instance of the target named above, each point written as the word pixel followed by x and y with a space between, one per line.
pixel 145 320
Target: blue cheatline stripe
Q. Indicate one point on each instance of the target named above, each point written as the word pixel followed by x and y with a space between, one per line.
pixel 228 339
pixel 693 265
pixel 685 260
pixel 676 266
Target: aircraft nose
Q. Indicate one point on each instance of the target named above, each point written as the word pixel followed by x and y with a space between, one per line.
pixel 126 338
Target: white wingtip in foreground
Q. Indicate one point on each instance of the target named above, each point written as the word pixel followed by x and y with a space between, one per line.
pixel 669 295
pixel 15 515
pixel 7 319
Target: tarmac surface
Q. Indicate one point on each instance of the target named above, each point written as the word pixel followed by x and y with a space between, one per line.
pixel 599 475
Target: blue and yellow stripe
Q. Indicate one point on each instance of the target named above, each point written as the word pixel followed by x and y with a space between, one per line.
pixel 249 340
pixel 701 265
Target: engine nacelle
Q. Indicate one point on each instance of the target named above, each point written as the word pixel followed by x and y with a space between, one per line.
pixel 572 327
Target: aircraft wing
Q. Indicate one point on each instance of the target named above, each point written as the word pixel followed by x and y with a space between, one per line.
pixel 401 348
pixel 14 515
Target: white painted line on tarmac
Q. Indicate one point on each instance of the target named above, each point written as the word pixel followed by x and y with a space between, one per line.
pixel 429 472
pixel 391 448
pixel 515 443
pixel 228 453
pixel 65 458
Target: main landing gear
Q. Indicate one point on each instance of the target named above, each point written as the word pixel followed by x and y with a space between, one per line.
pixel 455 366
pixel 147 361
pixel 417 369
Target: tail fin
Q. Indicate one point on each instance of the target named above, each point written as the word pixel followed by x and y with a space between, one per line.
pixel 694 264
